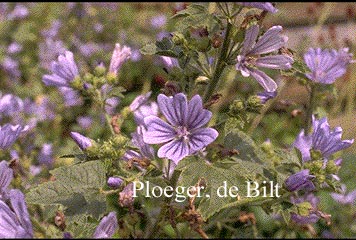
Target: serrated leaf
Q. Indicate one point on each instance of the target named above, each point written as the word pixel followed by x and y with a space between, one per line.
pixel 82 227
pixel 75 187
pixel 196 15
pixel 248 150
pixel 215 175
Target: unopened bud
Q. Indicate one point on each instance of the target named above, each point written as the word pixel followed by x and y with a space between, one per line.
pixel 126 198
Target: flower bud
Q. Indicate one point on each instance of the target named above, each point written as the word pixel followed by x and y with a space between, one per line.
pixel 82 141
pixel 300 181
pixel 126 198
pixel 237 107
pixel 115 182
pixel 100 70
pixel 254 104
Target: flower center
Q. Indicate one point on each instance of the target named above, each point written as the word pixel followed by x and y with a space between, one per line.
pixel 182 132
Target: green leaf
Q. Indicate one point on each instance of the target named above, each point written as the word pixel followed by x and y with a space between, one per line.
pixel 83 226
pixel 165 47
pixel 248 150
pixel 196 15
pixel 75 187
pixel 234 173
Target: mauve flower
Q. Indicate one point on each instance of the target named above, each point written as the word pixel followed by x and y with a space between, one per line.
pixel 71 97
pixel 9 134
pixel 267 6
pixel 322 139
pixel 15 221
pixel 82 141
pixel 46 155
pixel 265 96
pixel 158 21
pixel 63 71
pixel 14 48
pixel 146 151
pixel 119 57
pixel 115 182
pixel 10 104
pixel 11 66
pixel 19 12
pixel 250 56
pixel 48 51
pixel 139 101
pixel 85 122
pixel 6 176
pixel 313 216
pixel 344 198
pixel 107 226
pixel 135 55
pixel 184 133
pixel 111 104
pixel 53 30
pixel 146 110
pixel 300 181
pixel 327 65
pixel 169 62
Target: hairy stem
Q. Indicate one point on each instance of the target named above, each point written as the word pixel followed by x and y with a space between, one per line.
pixel 309 111
pixel 221 63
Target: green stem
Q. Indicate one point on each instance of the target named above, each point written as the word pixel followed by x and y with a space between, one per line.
pixel 102 106
pixel 221 63
pixel 309 111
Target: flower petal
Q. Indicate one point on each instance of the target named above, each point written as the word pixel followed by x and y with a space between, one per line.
pixel 158 131
pixel 19 206
pixel 175 150
pixel 275 62
pixel 198 116
pixel 271 41
pixel 264 80
pixel 202 137
pixel 175 108
pixel 250 39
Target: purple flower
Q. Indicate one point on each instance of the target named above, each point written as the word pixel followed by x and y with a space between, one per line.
pixel 11 66
pixel 85 122
pixel 71 97
pixel 63 71
pixel 11 104
pixel 107 226
pixel 300 181
pixel 139 101
pixel 135 55
pixel 6 176
pixel 184 134
pixel 46 155
pixel 14 48
pixel 169 62
pixel 15 221
pixel 344 198
pixel 19 12
pixel 119 57
pixel 322 139
pixel 313 215
pixel 146 151
pixel 111 104
pixel 48 51
pixel 145 111
pixel 53 30
pixel 115 182
pixel 249 58
pixel 158 21
pixel 82 141
pixel 327 65
pixel 267 6
pixel 265 96
pixel 9 134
